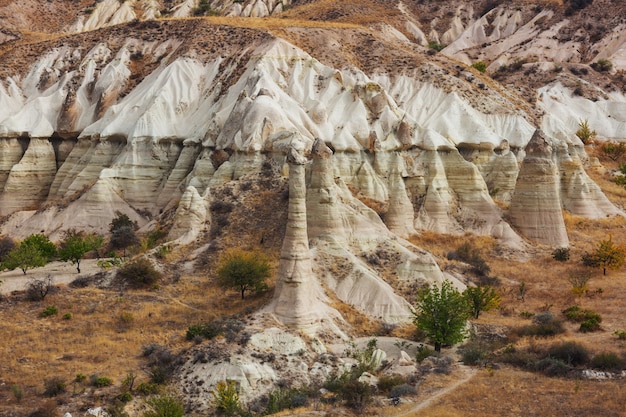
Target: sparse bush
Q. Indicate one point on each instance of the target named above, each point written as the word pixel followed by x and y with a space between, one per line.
pixel 49 311
pixel 284 398
pixel 614 151
pixel 357 395
pixel 139 273
pixel 470 255
pixel 549 328
pixel 436 46
pixel 474 353
pixel 579 279
pixel 602 65
pixel 621 335
pixel 481 298
pixel 402 391
pixel 561 254
pixel 578 315
pixel 570 353
pixel 607 361
pixel 160 362
pixel 552 367
pixel 67 316
pixel 18 392
pixel 37 289
pixel 387 382
pixel 165 406
pixel 46 409
pixel 147 388
pixel 54 386
pixel 590 325
pixel 207 331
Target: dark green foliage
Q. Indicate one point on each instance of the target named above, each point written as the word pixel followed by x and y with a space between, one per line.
pixel 161 362
pixel 608 361
pixel 552 367
pixel 147 388
pixel 121 221
pixel 590 325
pixel 207 331
pixel 122 232
pixel 357 395
pixel 49 311
pixel 442 313
pixel 165 406
pixel 42 244
pixel 580 315
pixel 100 381
pixel 139 273
pixel 571 353
pixel 75 246
pixel 613 150
pixel 481 298
pixel 243 271
pixel 53 387
pixel 561 254
pixel 24 257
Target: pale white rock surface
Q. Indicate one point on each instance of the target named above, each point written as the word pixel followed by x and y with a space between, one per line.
pixel 192 216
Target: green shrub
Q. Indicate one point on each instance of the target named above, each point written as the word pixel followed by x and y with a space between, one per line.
pixel 480 66
pixel 621 335
pixel 602 65
pixel 165 406
pixel 147 388
pixel 544 325
pixel 208 331
pixel 607 361
pixel 561 254
pixel 357 394
pixel 49 311
pixel 80 377
pixel 54 386
pixel 139 273
pixel 284 398
pixel 577 314
pixel 436 46
pixel 423 352
pixel 571 353
pixel 552 367
pixel 125 397
pixel 67 316
pixel 100 381
pixel 590 325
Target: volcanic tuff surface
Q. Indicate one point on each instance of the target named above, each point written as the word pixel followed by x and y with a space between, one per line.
pixel 137 107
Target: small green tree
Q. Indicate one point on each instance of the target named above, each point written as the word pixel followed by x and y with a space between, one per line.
pixel 481 298
pixel 442 313
pixel 607 255
pixel 226 398
pixel 42 244
pixel 243 270
pixel 76 244
pixel 584 133
pixel 24 257
pixel 122 232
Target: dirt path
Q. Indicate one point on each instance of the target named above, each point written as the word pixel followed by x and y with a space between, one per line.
pixel 62 273
pixel 468 374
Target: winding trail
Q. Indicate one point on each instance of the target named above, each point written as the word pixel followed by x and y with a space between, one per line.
pixel 469 374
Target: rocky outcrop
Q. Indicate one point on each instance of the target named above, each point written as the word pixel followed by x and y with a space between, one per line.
pixel 536 209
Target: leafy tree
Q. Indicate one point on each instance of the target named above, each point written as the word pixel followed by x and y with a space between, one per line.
pixel 123 234
pixel 243 270
pixel 607 255
pixel 76 244
pixel 442 313
pixel 120 221
pixel 481 299
pixel 42 244
pixel 24 257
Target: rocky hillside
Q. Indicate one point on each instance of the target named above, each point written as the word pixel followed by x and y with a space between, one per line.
pixel 377 115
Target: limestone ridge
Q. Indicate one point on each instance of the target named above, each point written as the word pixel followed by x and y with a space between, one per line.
pixel 536 204
pixel 297 299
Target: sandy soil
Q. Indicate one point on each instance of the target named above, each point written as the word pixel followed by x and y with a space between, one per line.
pixel 62 273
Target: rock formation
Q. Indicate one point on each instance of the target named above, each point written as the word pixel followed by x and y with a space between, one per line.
pixel 536 205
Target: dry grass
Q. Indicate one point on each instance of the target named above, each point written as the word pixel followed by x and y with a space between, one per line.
pixel 104 335
pixel 510 392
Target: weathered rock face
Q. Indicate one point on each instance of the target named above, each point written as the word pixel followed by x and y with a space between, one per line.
pixel 536 208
